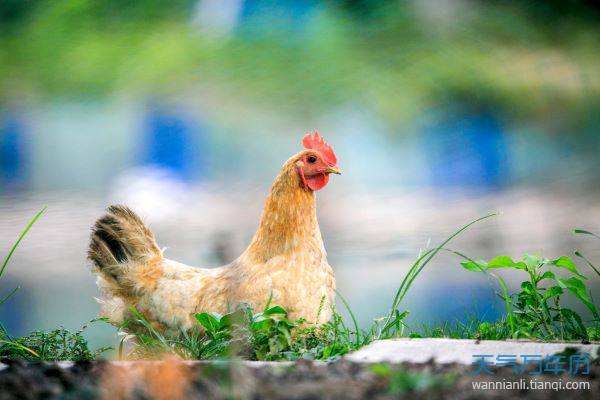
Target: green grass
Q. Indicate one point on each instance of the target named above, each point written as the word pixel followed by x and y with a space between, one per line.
pixel 401 381
pixel 57 344
pixel 270 335
pixel 267 335
pixel 535 311
pixel 54 345
pixel 12 250
pixel 311 73
pixel 394 322
pixel 472 328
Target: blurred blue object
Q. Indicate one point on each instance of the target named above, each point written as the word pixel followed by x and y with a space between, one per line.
pixel 12 154
pixel 264 16
pixel 176 144
pixel 467 150
pixel 468 301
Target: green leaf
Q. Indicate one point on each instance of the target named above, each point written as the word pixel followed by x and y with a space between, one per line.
pixel 20 346
pixel 286 334
pixel 532 262
pixel 474 266
pixel 567 263
pixel 576 318
pixel 552 291
pixel 275 310
pixel 527 287
pixel 573 283
pixel 505 262
pixel 547 275
pixel 261 325
pixel 210 322
pixel 327 351
pixel 577 287
pixel 233 318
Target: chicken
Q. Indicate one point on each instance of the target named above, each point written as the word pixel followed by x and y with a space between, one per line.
pixel 285 261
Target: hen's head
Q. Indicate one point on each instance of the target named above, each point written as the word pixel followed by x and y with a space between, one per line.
pixel 316 162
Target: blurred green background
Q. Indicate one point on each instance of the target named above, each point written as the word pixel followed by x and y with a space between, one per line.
pixel 440 111
pixel 526 59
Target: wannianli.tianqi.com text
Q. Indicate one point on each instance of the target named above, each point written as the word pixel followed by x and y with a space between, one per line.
pixel 531 384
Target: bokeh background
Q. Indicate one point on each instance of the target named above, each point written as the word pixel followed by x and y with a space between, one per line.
pixel 439 111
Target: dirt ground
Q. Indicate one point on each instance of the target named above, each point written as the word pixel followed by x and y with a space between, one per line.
pixel 173 379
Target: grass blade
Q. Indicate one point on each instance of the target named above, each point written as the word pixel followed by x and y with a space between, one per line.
pixel 8 296
pixel 352 316
pixel 588 262
pixel 21 236
pixel 141 319
pixel 399 292
pixel 507 303
pixel 20 346
pixel 584 232
pixel 418 266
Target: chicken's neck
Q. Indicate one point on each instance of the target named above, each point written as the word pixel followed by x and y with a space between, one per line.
pixel 289 220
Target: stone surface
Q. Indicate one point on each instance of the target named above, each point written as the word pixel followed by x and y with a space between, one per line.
pixel 461 351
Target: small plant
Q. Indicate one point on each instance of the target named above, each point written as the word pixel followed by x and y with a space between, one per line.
pixel 268 335
pixel 55 345
pixel 536 310
pixel 5 340
pixel 393 324
pixel 401 381
pixel 473 328
pixel 14 247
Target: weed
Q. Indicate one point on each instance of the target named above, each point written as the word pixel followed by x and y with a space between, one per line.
pixel 393 324
pixel 401 380
pixel 13 248
pixel 473 328
pixel 536 310
pixel 58 344
pixel 270 334
pixel 55 345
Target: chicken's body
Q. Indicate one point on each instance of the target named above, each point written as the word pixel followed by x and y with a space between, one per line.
pixel 285 262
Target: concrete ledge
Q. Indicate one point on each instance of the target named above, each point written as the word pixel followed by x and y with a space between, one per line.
pixel 460 351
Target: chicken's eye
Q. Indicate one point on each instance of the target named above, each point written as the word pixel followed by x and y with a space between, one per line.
pixel 312 159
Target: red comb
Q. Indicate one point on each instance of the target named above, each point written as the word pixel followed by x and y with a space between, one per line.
pixel 314 141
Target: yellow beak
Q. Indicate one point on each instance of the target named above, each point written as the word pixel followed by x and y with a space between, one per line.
pixel 334 170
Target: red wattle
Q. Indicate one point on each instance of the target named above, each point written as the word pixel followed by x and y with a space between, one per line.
pixel 317 182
